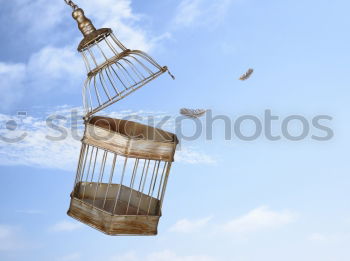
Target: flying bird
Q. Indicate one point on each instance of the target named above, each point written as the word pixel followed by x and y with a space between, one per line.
pixel 193 113
pixel 247 75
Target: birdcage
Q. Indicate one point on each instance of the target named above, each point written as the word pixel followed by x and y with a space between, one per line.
pixel 122 176
pixel 113 70
pixel 124 166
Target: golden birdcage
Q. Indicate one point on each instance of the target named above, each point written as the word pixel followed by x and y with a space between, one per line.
pixel 124 166
pixel 122 176
pixel 114 71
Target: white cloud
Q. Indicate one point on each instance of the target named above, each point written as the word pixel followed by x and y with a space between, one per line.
pixel 317 237
pixel 61 67
pixel 48 69
pixel 30 212
pixel 66 226
pixel 51 15
pixel 51 66
pixel 334 237
pixel 12 77
pixel 188 226
pixel 259 219
pixel 70 257
pixel 105 11
pixel 119 16
pixel 201 12
pixel 162 256
pixel 9 238
pixel 190 155
pixel 38 149
pixel 188 12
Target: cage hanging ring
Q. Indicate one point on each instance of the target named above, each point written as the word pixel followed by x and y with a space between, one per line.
pixel 71 4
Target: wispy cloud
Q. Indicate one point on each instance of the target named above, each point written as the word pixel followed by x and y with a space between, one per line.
pixel 201 12
pixel 46 70
pixel 330 237
pixel 30 212
pixel 70 257
pixel 190 155
pixel 40 147
pixel 162 256
pixel 51 66
pixel 66 226
pixel 117 15
pixel 26 12
pixel 188 226
pixel 9 238
pixel 317 237
pixel 260 219
pixel 189 11
pixel 37 148
pixel 12 77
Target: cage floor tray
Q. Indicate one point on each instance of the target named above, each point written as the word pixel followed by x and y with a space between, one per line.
pixel 134 213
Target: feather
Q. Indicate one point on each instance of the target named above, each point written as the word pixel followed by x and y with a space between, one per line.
pixel 247 75
pixel 193 113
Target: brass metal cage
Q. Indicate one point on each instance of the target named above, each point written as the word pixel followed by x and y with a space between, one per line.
pixel 113 70
pixel 124 166
pixel 122 176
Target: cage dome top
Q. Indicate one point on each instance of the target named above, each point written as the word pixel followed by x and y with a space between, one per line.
pixel 91 35
pixel 113 71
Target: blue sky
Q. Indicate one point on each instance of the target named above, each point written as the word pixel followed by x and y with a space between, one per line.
pixel 227 199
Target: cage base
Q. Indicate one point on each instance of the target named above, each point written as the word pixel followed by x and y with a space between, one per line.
pixel 114 225
pixel 93 204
